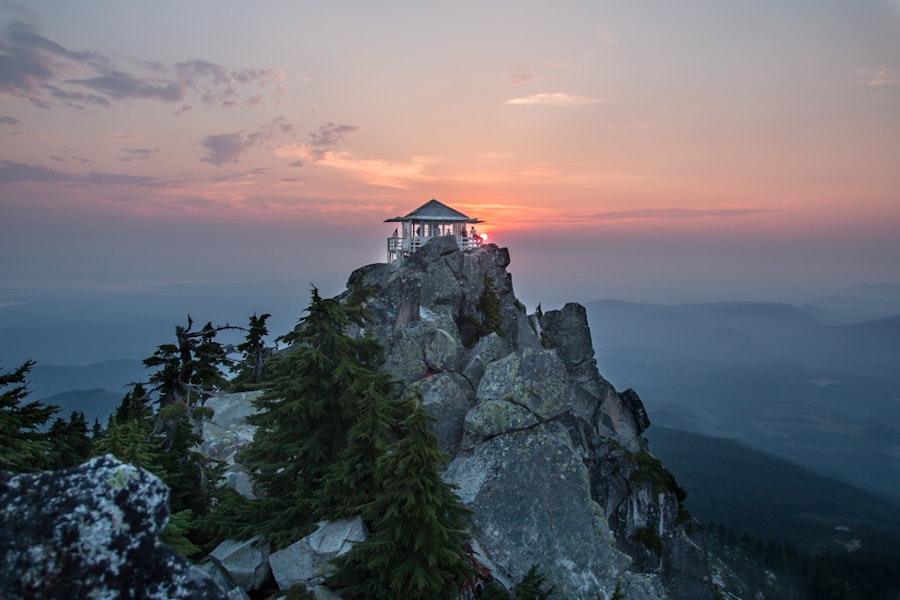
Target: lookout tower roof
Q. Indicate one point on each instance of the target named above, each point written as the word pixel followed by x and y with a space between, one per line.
pixel 434 211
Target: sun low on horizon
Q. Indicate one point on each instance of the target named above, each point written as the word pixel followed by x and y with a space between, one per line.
pixel 753 142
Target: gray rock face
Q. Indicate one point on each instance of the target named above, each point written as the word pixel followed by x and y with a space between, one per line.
pixel 447 397
pixel 246 562
pixel 543 447
pixel 307 561
pixel 227 433
pixel 531 496
pixel 534 379
pixel 92 532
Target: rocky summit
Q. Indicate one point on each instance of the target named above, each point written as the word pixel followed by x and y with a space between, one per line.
pixel 545 451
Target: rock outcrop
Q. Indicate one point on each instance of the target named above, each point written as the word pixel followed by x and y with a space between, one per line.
pixel 92 532
pixel 545 451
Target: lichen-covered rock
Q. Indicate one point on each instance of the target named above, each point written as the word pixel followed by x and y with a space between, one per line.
pixel 307 561
pixel 493 417
pixel 531 497
pixel 92 532
pixel 534 379
pixel 486 350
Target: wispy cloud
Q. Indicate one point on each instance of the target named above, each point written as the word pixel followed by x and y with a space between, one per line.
pixel 669 213
pixel 878 77
pixel 541 171
pixel 606 36
pixel 495 155
pixel 130 154
pixel 14 172
pixel 554 99
pixel 328 136
pixel 228 147
pixel 45 73
pixel 10 121
pixel 520 76
pixel 121 179
pixel 373 171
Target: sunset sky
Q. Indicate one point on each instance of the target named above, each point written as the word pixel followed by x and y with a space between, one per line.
pixel 663 151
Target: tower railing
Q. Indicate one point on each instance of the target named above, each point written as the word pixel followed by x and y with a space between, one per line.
pixel 401 247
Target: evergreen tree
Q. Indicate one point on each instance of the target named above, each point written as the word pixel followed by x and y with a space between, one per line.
pixel 96 430
pixel 416 546
pixel 135 406
pixel 351 480
pixel 133 442
pixel 191 368
pixel 23 446
pixel 532 586
pixel 491 310
pixel 69 441
pixel 255 352
pixel 318 389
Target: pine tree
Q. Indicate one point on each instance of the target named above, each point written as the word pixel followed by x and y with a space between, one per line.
pixel 69 441
pixel 191 368
pixel 23 446
pixel 416 546
pixel 316 394
pixel 255 352
pixel 351 480
pixel 491 310
pixel 135 406
pixel 532 586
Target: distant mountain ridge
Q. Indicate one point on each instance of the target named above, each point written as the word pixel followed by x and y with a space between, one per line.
pixel 753 491
pixel 775 376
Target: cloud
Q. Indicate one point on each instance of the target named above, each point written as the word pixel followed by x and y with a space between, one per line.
pixel 554 99
pixel 225 148
pixel 228 147
pixel 125 86
pixel 605 35
pixel 878 77
pixel 520 76
pixel 129 154
pixel 28 59
pixel 76 100
pixel 541 171
pixel 380 172
pixel 330 134
pixel 10 121
pixel 41 71
pixel 373 171
pixel 326 137
pixel 119 179
pixel 14 172
pixel 670 213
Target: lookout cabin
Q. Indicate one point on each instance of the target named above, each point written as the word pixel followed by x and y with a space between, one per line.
pixel 432 219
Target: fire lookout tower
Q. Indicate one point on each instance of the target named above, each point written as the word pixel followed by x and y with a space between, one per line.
pixel 432 219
